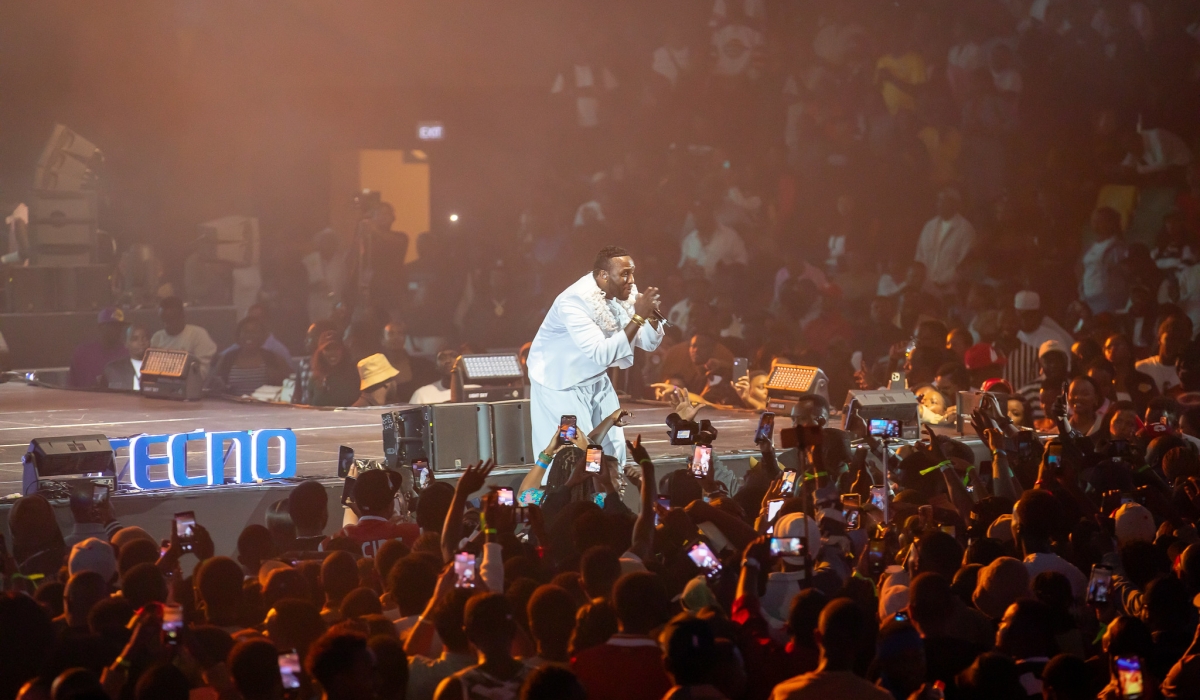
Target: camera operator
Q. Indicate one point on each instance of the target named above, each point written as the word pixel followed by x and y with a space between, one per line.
pixel 379 255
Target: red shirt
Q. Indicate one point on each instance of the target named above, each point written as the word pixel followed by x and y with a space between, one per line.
pixel 372 531
pixel 627 667
pixel 768 662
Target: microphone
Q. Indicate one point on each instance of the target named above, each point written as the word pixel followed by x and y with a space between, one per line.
pixel 658 314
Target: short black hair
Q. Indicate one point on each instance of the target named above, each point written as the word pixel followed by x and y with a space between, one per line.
pixel 308 505
pixel 334 654
pixel 606 254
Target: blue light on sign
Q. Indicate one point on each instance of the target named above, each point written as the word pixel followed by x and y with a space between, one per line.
pixel 250 451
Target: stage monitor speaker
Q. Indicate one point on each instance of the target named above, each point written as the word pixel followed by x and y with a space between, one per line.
pixel 447 435
pixel 886 404
pixel 512 432
pixel 62 458
pixel 171 374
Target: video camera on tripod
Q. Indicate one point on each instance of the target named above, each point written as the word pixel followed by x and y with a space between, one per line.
pixel 686 432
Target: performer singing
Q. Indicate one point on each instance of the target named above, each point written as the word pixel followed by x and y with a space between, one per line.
pixel 593 325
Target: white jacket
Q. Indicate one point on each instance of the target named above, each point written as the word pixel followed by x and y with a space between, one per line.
pixel 583 335
pixel 942 255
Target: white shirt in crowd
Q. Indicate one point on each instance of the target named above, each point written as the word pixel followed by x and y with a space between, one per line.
pixel 726 247
pixel 587 104
pixel 1049 330
pixel 193 339
pixel 1093 268
pixel 437 392
pixel 942 247
pixel 137 374
pixel 1164 376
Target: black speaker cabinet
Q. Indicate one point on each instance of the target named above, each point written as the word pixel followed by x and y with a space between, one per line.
pixel 29 290
pixel 445 434
pixel 512 432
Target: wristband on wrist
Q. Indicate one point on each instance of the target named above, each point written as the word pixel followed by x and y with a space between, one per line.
pixel 940 465
pixel 967 476
pixel 811 476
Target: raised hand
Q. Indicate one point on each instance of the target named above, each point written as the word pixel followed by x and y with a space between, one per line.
pixel 475 477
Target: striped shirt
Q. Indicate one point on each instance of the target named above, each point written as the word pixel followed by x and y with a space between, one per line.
pixel 1021 368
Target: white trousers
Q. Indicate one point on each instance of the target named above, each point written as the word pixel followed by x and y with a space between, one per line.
pixel 590 403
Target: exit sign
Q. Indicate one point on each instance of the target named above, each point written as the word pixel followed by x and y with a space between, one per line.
pixel 431 131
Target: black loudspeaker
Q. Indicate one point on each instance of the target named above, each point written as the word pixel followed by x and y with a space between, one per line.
pixel 42 289
pixel 29 289
pixel 58 458
pixel 447 435
pixel 512 432
pixel 84 288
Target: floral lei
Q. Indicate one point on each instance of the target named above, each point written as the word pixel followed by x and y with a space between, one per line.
pixel 602 307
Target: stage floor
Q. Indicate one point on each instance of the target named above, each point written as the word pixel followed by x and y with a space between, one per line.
pixel 28 412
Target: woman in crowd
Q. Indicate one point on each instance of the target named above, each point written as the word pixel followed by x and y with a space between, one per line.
pixel 334 380
pixel 245 368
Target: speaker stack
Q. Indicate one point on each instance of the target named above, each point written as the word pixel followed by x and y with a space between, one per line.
pixel 453 435
pixel 65 271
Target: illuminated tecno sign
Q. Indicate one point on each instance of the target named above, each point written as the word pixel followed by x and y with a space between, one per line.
pixel 250 450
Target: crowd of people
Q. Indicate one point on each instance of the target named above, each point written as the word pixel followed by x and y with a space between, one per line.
pixel 1065 569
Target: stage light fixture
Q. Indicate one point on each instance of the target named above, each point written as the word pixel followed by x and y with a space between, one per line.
pixel 453 218
pixel 170 374
pixel 788 383
pixel 492 377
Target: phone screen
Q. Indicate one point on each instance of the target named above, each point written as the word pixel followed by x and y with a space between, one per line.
pixel 504 497
pixel 876 549
pixel 594 455
pixel 420 469
pixel 464 570
pixel 345 460
pixel 789 482
pixel 348 492
pixel 289 669
pixel 878 497
pixel 1053 454
pixel 185 529
pixel 882 427
pixel 851 500
pixel 1099 584
pixel 99 494
pixel 853 518
pixel 786 547
pixel 704 558
pixel 1129 677
pixel 532 497
pixel 773 507
pixel 766 427
pixel 172 623
pixel 701 460
pixel 741 368
pixel 567 429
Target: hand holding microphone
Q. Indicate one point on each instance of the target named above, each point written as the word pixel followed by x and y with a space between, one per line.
pixel 646 305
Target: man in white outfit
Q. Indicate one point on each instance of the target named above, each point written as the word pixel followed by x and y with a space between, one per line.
pixel 593 325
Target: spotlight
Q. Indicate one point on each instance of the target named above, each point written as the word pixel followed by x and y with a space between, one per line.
pixel 453 218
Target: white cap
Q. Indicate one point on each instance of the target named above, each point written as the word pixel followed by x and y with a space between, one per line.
pixel 1132 523
pixel 1027 300
pixel 1052 345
